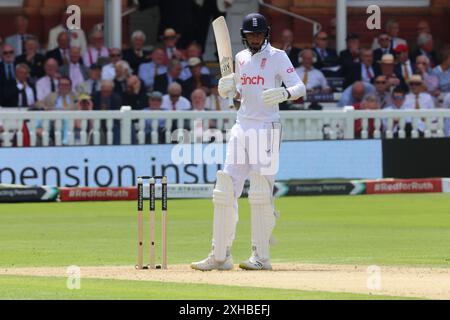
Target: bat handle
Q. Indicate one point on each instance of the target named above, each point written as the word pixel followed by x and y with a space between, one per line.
pixel 230 100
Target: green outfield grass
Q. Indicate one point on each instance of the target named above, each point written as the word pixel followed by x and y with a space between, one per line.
pixel 412 230
pixel 55 288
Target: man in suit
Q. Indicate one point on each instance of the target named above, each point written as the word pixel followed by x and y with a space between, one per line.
pixel 172 75
pixel 33 59
pixel 287 40
pixel 198 80
pixel 425 45
pixel 326 57
pixel 20 92
pixel 17 41
pixel 7 70
pixel 97 52
pixel 365 71
pixel 61 53
pixel 136 55
pixel 75 70
pixel 107 99
pixel 77 37
pixel 404 68
pixel 63 99
pixel 49 82
pixel 384 41
pixel 92 84
pixel 351 56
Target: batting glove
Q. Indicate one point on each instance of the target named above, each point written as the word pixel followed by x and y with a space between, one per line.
pixel 275 96
pixel 227 86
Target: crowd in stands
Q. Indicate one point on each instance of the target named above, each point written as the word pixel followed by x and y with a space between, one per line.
pixel 387 74
pixel 30 74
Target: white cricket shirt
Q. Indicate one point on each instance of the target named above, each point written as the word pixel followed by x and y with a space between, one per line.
pixel 266 69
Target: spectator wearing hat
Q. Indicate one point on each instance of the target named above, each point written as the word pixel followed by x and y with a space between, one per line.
pixel 387 66
pixel 365 71
pixel 33 59
pixel 197 80
pixel 326 57
pixel 170 38
pixel 173 74
pixel 154 103
pixel 313 78
pixel 384 41
pixel 418 99
pixel 442 71
pixel 96 52
pixel 355 93
pixel 431 81
pixel 425 44
pixel 351 56
pixel 150 70
pixel 75 70
pixel 92 84
pixel 194 50
pixel 287 45
pixel 84 103
pixel 404 69
pixel 135 94
pixel 49 82
pixel 136 55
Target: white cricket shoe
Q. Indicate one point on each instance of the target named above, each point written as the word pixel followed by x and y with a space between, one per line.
pixel 210 263
pixel 255 263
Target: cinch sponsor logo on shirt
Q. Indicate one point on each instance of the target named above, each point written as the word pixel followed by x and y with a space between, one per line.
pixel 256 80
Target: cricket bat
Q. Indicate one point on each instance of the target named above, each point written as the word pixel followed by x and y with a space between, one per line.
pixel 224 51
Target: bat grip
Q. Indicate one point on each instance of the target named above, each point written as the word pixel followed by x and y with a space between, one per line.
pixel 230 100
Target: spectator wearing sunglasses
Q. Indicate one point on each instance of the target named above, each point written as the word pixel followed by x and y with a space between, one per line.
pixel 382 92
pixel 7 72
pixel 109 70
pixel 418 99
pixel 384 41
pixel 326 57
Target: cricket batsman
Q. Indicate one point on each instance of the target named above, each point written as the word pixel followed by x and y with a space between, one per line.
pixel 253 147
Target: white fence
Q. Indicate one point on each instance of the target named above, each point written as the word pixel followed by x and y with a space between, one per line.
pixel 58 128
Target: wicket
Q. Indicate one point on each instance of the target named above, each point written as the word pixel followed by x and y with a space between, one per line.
pixel 152 198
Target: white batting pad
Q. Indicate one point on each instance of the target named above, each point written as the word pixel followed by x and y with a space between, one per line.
pixel 263 216
pixel 224 215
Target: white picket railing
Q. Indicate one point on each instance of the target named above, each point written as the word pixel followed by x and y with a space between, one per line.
pixel 139 127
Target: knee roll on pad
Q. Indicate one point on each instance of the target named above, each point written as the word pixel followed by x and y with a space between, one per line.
pixel 224 215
